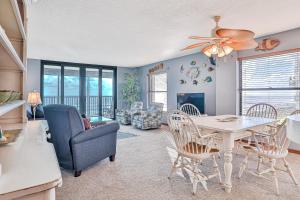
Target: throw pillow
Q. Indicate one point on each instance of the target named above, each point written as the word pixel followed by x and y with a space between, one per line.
pixel 87 123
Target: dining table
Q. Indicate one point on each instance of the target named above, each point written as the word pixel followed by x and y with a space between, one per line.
pixel 231 128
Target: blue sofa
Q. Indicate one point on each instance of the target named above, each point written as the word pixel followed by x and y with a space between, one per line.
pixel 77 148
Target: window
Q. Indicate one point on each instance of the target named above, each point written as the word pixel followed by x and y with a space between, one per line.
pixel 273 79
pixel 52 84
pixel 158 89
pixel 90 88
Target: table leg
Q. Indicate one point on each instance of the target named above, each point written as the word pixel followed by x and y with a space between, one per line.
pixel 228 144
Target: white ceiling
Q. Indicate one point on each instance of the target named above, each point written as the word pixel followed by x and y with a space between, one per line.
pixel 138 32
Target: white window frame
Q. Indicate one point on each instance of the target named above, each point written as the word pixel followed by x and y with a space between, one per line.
pixel 151 91
pixel 240 79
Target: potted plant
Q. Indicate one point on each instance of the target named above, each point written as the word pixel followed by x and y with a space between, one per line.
pixel 130 90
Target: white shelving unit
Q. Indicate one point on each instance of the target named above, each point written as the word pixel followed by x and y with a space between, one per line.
pixel 22 177
pixel 13 57
pixel 18 16
pixel 5 108
pixel 10 50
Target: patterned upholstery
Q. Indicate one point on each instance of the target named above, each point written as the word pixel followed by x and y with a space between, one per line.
pixel 123 116
pixel 152 118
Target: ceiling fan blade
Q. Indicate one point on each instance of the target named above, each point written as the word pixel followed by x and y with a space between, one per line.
pixel 235 34
pixel 195 45
pixel 204 38
pixel 242 45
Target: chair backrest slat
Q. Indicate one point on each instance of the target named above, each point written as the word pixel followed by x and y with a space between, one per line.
pixel 276 143
pixel 185 134
pixel 262 110
pixel 190 109
pixel 296 112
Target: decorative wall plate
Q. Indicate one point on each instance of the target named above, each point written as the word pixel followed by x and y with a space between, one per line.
pixel 193 73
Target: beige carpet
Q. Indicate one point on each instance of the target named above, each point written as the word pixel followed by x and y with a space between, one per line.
pixel 141 169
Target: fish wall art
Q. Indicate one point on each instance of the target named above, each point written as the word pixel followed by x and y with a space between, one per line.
pixel 193 73
pixel 267 44
pixel 181 81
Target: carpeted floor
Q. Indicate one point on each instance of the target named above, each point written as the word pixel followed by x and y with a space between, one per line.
pixel 141 169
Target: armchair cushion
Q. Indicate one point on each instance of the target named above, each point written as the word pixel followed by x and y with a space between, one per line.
pixel 148 119
pixel 96 132
pixel 124 116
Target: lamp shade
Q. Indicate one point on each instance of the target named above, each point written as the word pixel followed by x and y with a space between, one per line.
pixel 34 98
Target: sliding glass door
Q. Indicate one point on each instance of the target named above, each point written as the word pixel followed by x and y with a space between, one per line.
pixel 51 84
pixel 71 86
pixel 107 93
pixel 92 96
pixel 90 88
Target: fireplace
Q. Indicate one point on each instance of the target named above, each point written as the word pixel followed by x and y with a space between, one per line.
pixel 197 99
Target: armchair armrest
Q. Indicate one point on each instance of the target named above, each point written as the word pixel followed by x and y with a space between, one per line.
pixel 95 132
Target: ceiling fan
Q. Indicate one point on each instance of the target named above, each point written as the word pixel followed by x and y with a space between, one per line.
pixel 223 41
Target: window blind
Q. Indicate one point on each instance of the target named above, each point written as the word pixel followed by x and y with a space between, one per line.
pixel 273 79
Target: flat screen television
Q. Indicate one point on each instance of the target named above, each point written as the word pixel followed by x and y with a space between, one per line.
pixel 197 99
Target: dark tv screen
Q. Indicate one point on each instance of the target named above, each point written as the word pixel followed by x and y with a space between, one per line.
pixel 197 99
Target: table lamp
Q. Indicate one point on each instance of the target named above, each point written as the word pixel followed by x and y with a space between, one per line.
pixel 34 99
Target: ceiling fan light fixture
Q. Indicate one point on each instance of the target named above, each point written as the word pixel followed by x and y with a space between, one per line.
pixel 207 52
pixel 221 52
pixel 213 49
pixel 227 49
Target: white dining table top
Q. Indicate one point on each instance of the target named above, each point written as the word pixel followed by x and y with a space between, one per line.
pixel 240 124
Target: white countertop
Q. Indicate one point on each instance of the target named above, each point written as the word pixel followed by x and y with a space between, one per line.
pixel 29 162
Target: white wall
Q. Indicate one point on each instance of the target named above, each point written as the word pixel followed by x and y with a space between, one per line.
pixel 33 75
pixel 226 85
pixel 172 67
pixel 288 40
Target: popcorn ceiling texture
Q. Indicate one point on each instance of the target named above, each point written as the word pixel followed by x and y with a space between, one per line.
pixel 135 33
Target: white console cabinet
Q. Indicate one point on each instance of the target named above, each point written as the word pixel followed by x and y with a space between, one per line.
pixel 30 169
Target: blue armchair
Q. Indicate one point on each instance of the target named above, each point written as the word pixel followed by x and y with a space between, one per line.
pixel 77 148
pixel 150 119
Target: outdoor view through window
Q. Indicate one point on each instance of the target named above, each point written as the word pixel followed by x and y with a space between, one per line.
pixel 274 80
pixel 53 94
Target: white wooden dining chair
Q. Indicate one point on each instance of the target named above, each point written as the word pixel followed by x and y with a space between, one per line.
pixel 192 148
pixel 262 110
pixel 190 109
pixel 296 112
pixel 272 147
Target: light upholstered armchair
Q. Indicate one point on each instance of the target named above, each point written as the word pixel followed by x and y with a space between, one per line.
pixel 152 118
pixel 123 116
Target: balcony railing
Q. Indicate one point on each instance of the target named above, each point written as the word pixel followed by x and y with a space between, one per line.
pixel 92 104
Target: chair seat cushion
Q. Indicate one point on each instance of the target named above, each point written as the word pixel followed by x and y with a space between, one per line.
pixel 265 150
pixel 193 147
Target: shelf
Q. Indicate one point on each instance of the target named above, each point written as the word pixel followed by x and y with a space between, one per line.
pixel 11 20
pixel 5 108
pixel 9 49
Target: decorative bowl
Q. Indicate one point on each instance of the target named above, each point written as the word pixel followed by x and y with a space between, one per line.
pixel 18 96
pixel 14 96
pixel 5 96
